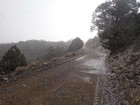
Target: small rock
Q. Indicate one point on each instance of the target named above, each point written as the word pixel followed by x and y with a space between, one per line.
pixel 33 67
pixel 45 63
pixel 5 79
pixel 24 85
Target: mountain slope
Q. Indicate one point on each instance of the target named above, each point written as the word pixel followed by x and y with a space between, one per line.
pixel 33 48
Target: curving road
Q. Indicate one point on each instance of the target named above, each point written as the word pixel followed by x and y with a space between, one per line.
pixel 73 83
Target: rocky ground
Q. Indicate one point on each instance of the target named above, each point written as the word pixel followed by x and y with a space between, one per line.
pixel 75 82
pixel 123 83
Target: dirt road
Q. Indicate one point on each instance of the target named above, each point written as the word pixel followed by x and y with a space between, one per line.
pixel 72 83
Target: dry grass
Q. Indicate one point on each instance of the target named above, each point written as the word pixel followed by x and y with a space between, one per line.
pixel 30 66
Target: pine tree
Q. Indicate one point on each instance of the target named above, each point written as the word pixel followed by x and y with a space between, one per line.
pixel 12 59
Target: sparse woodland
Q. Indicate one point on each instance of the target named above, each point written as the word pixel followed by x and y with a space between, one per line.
pixel 35 52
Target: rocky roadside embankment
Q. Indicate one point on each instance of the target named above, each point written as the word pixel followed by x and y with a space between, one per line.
pixel 123 87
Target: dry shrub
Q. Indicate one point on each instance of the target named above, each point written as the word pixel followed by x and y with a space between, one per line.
pixel 55 59
pixel 70 54
pixel 30 66
pixel 20 69
pixel 33 64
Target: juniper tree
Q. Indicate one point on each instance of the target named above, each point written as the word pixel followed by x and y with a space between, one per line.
pixel 117 22
pixel 12 59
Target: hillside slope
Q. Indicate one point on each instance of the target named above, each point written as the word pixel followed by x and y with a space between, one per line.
pixel 124 81
pixel 34 48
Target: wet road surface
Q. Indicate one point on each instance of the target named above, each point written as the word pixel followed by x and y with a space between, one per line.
pixel 73 83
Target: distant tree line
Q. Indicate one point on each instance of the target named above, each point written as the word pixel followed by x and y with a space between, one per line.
pixel 93 42
pixel 33 49
pixel 75 45
pixel 52 52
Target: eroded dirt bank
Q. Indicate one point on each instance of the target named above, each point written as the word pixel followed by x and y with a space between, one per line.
pixel 72 83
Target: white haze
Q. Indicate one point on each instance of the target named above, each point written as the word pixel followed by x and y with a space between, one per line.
pixel 51 20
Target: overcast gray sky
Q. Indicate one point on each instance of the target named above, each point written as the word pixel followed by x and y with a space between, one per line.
pixel 51 20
